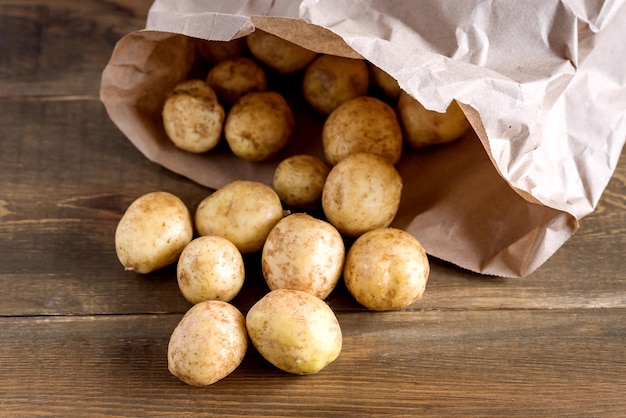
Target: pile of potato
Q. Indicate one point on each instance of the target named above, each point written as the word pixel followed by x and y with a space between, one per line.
pixel 369 122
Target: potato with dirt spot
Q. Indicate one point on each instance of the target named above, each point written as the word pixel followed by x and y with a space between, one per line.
pixel 259 125
pixel 386 269
pixel 208 344
pixel 363 124
pixel 303 253
pixel 295 331
pixel 210 268
pixel 332 80
pixel 279 54
pixel 299 181
pixel 152 232
pixel 193 117
pixel 423 127
pixel 235 77
pixel 244 212
pixel 362 192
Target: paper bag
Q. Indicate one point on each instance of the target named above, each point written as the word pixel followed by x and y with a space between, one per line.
pixel 542 83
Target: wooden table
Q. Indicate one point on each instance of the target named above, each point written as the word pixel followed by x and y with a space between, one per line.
pixel 82 337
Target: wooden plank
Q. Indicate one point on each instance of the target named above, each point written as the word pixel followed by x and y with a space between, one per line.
pixel 69 157
pixel 555 363
pixel 60 47
pixel 66 181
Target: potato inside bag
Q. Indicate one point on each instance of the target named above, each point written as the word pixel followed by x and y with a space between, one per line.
pixel 540 83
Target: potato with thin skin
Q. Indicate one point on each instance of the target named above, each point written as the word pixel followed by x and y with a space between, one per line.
pixel 244 212
pixel 152 232
pixel 363 124
pixel 386 269
pixel 295 331
pixel 299 181
pixel 362 192
pixel 193 117
pixel 279 54
pixel 210 268
pixel 235 77
pixel 332 80
pixel 303 253
pixel 384 82
pixel 423 127
pixel 259 125
pixel 217 51
pixel 208 344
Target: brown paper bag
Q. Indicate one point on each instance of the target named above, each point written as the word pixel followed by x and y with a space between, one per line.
pixel 541 82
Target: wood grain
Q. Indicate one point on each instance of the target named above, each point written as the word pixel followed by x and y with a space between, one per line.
pixel 478 362
pixel 81 337
pixel 60 47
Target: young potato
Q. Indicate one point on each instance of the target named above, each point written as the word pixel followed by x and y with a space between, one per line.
pixel 303 253
pixel 363 124
pixel 295 331
pixel 208 343
pixel 423 127
pixel 243 212
pixel 384 82
pixel 234 77
pixel 362 193
pixel 280 55
pixel 331 80
pixel 259 125
pixel 210 268
pixel 217 51
pixel 153 232
pixel 386 269
pixel 193 118
pixel 299 181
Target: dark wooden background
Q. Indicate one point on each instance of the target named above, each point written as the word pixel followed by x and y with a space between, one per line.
pixel 79 336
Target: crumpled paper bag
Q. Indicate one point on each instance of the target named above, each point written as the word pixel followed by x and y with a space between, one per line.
pixel 542 82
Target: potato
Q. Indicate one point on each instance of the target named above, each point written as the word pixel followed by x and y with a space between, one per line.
pixel 234 77
pixel 243 212
pixel 217 51
pixel 386 269
pixel 193 118
pixel 299 181
pixel 295 331
pixel 152 232
pixel 210 268
pixel 386 84
pixel 364 124
pixel 208 343
pixel 303 253
pixel 423 127
pixel 331 80
pixel 259 125
pixel 280 55
pixel 362 192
